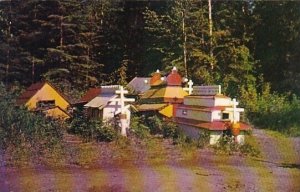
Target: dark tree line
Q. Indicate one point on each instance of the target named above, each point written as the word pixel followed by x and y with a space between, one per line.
pixel 78 44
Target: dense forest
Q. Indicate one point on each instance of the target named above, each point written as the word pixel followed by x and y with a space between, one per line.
pixel 238 44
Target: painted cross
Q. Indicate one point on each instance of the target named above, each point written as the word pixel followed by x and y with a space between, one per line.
pixel 122 101
pixel 234 110
pixel 190 88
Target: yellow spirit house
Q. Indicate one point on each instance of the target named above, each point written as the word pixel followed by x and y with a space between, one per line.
pixel 43 97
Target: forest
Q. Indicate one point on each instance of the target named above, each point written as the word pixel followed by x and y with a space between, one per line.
pixel 249 47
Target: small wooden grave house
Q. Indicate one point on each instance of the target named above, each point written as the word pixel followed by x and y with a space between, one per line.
pixel 105 106
pixel 207 109
pixel 163 94
pixel 44 97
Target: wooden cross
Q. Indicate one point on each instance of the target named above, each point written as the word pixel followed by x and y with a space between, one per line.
pixel 122 101
pixel 190 88
pixel 234 110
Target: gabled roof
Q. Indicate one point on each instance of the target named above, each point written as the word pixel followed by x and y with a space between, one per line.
pixel 100 101
pixel 33 89
pixel 29 92
pixel 139 84
pixel 90 94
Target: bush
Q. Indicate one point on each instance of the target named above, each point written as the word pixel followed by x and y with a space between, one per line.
pixel 273 111
pixel 138 128
pixel 155 124
pixel 104 132
pixel 203 139
pixel 226 145
pixel 92 129
pixel 169 129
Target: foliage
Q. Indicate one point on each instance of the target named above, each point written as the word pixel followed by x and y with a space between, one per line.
pixel 90 129
pixel 169 129
pixel 272 110
pixel 203 139
pixel 155 124
pixel 138 127
pixel 226 145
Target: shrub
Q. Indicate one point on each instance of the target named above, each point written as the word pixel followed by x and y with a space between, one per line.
pixel 275 111
pixel 155 124
pixel 138 128
pixel 169 129
pixel 90 129
pixel 203 139
pixel 226 145
pixel 104 132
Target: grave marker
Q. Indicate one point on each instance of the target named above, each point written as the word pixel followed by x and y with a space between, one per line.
pixel 122 101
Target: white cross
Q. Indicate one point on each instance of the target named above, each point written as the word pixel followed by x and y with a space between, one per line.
pixel 190 88
pixel 234 110
pixel 122 101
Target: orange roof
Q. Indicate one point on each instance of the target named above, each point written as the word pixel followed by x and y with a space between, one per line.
pixel 156 79
pixel 90 94
pixel 215 125
pixel 174 79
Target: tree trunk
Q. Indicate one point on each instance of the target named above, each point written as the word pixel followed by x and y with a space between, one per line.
pixel 210 25
pixel 184 44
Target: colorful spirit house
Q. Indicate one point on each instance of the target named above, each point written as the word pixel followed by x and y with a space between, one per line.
pixel 164 94
pixel 208 110
pixel 44 97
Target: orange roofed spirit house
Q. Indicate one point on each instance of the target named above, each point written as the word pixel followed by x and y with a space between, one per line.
pixel 163 95
pixel 44 97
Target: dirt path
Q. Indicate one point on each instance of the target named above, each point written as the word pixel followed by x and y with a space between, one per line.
pixel 273 157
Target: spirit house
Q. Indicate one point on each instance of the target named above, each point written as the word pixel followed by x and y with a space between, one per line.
pixel 207 109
